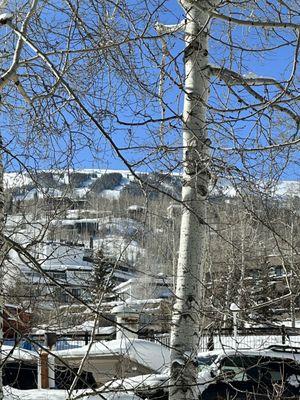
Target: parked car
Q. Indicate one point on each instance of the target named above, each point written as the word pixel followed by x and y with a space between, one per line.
pixel 272 373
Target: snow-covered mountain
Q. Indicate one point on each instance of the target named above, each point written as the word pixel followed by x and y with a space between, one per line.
pixel 110 183
pixel 80 183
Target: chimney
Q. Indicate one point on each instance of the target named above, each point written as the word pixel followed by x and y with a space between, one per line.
pixel 127 319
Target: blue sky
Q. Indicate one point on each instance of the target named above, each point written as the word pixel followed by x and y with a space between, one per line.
pixel 94 152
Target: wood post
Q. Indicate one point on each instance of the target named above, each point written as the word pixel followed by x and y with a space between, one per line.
pixel 43 373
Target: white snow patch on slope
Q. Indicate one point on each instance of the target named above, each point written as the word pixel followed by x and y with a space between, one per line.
pixel 290 188
pixel 81 192
pixel 110 194
pixel 13 179
pixel 115 192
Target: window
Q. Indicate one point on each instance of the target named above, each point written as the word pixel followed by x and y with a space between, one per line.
pixel 279 270
pixel 59 275
pixel 254 273
pixel 258 369
pixel 204 363
pixel 76 292
pixel 247 368
pixel 33 274
pixel 237 368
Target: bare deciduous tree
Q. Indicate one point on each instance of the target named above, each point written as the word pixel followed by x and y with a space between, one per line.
pixel 104 77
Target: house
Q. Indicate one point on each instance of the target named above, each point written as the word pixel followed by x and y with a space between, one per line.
pixel 137 212
pixel 120 358
pixel 59 202
pixel 145 318
pixel 65 263
pixel 85 227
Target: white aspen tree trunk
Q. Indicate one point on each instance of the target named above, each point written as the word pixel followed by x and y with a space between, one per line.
pixel 293 277
pixel 186 315
pixel 229 281
pixel 241 287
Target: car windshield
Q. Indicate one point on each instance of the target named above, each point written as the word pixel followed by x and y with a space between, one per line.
pixel 205 362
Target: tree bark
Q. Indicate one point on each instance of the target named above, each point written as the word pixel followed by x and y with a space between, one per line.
pixel 186 316
pixel 2 258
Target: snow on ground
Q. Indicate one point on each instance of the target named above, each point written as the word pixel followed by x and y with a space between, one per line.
pixel 110 194
pixel 20 179
pixel 54 394
pixel 81 192
pixel 282 189
pixel 125 173
pixel 40 194
pixel 115 192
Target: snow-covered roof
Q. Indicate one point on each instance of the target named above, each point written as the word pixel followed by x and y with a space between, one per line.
pixel 85 326
pixel 18 354
pixel 55 254
pixel 116 246
pixel 111 193
pixel 55 394
pixel 131 306
pixel 143 287
pixel 89 326
pixel 149 354
pixel 136 207
pixel 120 225
pixel 146 281
pixel 75 221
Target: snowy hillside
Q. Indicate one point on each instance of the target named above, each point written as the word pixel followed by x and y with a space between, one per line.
pixel 77 184
pixel 110 184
